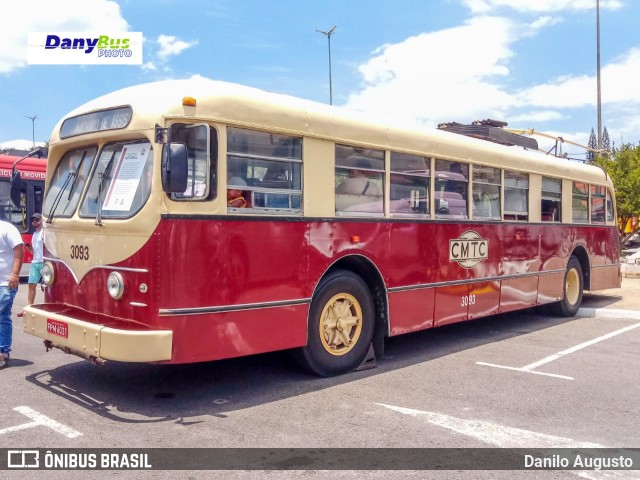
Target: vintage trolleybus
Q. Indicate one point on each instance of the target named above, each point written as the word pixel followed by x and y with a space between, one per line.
pixel 189 221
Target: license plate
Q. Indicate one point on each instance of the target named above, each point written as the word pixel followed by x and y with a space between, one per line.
pixel 58 328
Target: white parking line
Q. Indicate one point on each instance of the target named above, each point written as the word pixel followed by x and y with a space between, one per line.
pixel 498 435
pixel 40 420
pixel 510 437
pixel 530 368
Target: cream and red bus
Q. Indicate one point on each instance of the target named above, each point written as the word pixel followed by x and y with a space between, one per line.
pixel 348 231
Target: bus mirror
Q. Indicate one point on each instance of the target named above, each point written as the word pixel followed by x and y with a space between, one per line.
pixel 16 189
pixel 174 167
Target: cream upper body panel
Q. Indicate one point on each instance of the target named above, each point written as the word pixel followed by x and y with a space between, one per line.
pixel 155 103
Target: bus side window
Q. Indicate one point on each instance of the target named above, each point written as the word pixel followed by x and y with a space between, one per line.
pixel 409 183
pixel 516 196
pixel 452 179
pixel 550 203
pixel 269 165
pixel 199 140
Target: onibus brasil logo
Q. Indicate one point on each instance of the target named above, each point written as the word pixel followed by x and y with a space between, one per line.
pixel 468 249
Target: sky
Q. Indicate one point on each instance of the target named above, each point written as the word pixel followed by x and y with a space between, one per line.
pixel 531 63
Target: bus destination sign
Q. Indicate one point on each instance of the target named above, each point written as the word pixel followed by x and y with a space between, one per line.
pixel 468 249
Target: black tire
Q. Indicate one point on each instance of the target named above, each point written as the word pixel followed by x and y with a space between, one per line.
pixel 340 326
pixel 572 290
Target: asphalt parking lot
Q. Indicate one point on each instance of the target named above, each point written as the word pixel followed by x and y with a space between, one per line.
pixel 518 380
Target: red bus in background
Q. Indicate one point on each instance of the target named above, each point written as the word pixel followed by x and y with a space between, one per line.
pixel 29 192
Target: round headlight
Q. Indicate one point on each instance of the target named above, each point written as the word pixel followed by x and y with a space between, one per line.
pixel 48 273
pixel 115 285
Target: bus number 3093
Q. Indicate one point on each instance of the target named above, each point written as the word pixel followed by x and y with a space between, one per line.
pixel 79 252
pixel 468 300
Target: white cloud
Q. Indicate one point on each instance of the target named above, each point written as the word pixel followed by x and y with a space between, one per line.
pixel 619 84
pixel 19 144
pixel 171 45
pixel 537 6
pixel 536 116
pixel 463 74
pixel 440 76
pixel 47 15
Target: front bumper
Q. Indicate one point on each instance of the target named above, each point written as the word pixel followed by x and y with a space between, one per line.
pixel 94 341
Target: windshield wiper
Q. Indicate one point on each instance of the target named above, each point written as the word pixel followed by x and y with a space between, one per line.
pixel 102 176
pixel 56 201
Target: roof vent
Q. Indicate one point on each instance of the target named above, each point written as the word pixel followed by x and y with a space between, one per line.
pixel 492 131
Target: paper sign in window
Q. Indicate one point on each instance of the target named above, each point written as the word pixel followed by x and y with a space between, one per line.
pixel 126 178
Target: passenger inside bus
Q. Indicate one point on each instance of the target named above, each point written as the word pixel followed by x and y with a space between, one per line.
pixel 235 196
pixel 357 182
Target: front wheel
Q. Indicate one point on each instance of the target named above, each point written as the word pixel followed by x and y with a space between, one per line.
pixel 340 329
pixel 572 291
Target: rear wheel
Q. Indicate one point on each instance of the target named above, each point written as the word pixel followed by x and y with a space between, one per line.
pixel 572 290
pixel 341 321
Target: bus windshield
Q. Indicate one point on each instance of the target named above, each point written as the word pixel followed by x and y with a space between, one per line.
pixel 67 182
pixel 121 181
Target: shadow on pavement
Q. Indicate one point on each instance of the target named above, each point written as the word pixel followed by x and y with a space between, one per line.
pixel 146 393
pixel 594 300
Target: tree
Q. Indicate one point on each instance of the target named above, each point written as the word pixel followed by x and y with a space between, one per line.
pixel 606 142
pixel 593 143
pixel 624 169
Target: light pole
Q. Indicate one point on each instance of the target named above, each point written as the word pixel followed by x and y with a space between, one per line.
pixel 328 34
pixel 598 74
pixel 33 128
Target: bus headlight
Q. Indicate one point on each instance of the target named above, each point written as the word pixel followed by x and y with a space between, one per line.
pixel 48 273
pixel 115 285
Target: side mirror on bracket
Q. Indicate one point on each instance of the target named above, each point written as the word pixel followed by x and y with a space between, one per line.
pixel 16 189
pixel 174 167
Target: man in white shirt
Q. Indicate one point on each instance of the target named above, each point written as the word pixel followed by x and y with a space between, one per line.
pixel 11 256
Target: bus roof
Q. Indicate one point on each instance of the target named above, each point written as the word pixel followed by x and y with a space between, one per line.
pixel 30 168
pixel 253 108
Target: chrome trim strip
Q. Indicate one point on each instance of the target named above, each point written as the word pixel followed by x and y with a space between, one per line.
pixel 472 280
pixel 96 267
pixel 232 308
pixel 122 269
pixel 137 304
pixel 611 265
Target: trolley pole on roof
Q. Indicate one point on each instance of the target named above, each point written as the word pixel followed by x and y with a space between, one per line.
pixel 598 74
pixel 33 128
pixel 328 34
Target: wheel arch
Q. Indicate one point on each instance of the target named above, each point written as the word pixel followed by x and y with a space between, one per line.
pixel 366 269
pixel 583 257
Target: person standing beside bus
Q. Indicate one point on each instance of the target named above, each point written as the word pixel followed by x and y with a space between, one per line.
pixel 35 249
pixel 11 256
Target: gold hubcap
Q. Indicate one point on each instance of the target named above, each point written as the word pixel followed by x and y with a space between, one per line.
pixel 572 286
pixel 340 324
